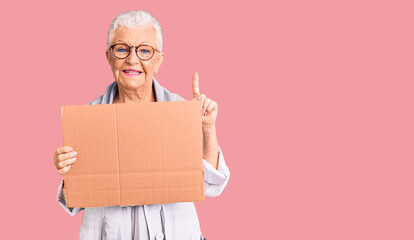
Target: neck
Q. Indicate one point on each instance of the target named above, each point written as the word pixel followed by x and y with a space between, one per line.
pixel 145 94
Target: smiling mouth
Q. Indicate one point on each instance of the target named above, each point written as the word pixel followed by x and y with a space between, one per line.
pixel 130 72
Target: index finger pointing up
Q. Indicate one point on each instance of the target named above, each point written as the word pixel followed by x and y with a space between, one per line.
pixel 196 89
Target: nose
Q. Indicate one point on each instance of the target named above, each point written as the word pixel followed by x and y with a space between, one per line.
pixel 133 58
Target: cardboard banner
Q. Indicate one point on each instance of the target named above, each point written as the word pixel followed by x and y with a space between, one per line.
pixel 134 154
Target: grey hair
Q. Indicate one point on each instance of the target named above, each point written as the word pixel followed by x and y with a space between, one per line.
pixel 135 19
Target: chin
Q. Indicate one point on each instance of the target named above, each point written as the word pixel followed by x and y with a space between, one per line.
pixel 132 83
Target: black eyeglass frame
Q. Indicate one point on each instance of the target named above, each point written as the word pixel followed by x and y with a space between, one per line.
pixel 136 50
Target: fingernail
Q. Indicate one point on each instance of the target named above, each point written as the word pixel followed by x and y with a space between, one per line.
pixel 70 149
pixel 68 166
pixel 75 153
pixel 73 159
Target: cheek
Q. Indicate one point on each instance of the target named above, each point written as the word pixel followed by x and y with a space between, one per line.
pixel 116 65
pixel 148 67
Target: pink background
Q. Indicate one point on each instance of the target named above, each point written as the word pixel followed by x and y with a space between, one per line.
pixel 316 116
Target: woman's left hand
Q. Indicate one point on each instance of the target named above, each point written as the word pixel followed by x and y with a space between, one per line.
pixel 209 108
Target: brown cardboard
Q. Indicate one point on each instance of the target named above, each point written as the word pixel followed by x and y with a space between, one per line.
pixel 134 154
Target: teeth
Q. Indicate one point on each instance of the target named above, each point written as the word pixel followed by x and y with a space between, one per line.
pixel 136 72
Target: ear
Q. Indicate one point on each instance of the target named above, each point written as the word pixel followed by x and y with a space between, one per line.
pixel 108 56
pixel 159 62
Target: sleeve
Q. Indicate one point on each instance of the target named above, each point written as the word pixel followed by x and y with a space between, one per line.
pixel 62 202
pixel 215 180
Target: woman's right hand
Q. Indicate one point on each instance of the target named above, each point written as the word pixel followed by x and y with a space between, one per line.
pixel 64 157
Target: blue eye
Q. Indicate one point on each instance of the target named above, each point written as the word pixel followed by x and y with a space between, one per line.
pixel 145 51
pixel 122 50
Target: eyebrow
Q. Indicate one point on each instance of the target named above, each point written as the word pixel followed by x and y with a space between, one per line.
pixel 121 41
pixel 145 42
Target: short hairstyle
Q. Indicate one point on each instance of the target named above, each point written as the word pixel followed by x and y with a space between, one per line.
pixel 135 19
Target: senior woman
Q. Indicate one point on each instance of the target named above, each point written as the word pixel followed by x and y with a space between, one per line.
pixel 134 53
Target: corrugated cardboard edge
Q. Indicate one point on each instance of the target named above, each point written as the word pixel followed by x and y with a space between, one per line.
pixel 65 194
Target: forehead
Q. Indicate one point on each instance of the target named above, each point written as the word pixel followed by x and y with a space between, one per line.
pixel 135 36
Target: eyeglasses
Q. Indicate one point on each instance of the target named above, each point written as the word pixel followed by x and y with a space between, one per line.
pixel 143 51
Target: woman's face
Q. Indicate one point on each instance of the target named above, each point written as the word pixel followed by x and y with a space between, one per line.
pixel 134 37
